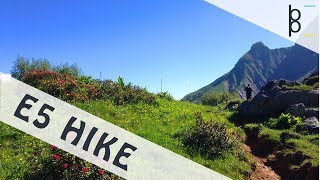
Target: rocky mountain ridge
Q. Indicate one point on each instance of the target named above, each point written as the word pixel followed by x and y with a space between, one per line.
pixel 260 65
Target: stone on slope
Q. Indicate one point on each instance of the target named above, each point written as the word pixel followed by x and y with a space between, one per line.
pixel 275 98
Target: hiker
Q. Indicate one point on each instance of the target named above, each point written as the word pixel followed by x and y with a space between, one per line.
pixel 249 91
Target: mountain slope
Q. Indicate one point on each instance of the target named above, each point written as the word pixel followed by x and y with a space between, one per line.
pixel 259 65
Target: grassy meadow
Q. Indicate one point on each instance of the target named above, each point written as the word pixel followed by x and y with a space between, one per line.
pixel 159 124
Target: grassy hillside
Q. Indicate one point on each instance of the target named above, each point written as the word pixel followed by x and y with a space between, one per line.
pixel 156 117
pixel 160 124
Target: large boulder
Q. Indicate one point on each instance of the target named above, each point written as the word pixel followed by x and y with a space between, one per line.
pixel 312 112
pixel 311 125
pixel 275 97
pixel 296 109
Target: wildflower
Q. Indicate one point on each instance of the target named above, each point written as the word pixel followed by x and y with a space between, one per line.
pixel 53 147
pixel 101 172
pixel 32 72
pixel 65 166
pixel 72 82
pixel 56 157
pixel 85 169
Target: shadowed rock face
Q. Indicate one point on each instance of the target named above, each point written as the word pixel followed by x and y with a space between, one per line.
pixel 275 98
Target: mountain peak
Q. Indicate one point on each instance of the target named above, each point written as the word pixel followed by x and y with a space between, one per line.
pixel 259 65
pixel 258 45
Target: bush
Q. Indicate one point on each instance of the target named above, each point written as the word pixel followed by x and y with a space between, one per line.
pixel 63 86
pixel 83 88
pixel 63 165
pixel 122 93
pixel 165 95
pixel 285 121
pixel 214 98
pixel 72 69
pixel 23 65
pixel 65 82
pixel 208 138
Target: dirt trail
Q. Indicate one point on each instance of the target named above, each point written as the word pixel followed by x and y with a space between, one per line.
pixel 261 171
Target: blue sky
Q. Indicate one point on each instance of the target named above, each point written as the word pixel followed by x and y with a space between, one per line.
pixel 186 43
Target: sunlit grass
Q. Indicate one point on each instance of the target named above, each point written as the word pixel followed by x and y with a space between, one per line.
pixel 159 124
pixel 307 144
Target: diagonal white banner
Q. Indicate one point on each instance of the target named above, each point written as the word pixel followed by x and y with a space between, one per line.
pixel 91 138
pixel 297 21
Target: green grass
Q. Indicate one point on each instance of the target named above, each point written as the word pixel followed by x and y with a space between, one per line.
pixel 270 134
pixel 159 124
pixel 302 87
pixel 17 152
pixel 307 144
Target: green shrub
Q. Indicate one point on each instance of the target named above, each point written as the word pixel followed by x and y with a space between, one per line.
pixel 285 121
pixel 62 165
pixel 214 98
pixel 65 82
pixel 208 138
pixel 83 88
pixel 63 86
pixel 165 95
pixel 23 65
pixel 72 69
pixel 121 83
pixel 122 93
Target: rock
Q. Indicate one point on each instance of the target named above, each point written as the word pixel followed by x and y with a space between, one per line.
pixel 256 107
pixel 312 112
pixel 232 105
pixel 296 109
pixel 311 125
pixel 275 98
pixel 312 79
